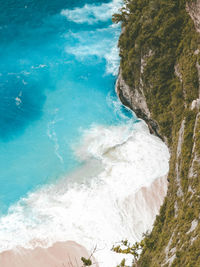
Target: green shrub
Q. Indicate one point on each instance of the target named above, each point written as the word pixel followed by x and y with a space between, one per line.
pixel 162 33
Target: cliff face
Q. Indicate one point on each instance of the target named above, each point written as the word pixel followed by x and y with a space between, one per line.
pixel 193 8
pixel 136 101
pixel 159 80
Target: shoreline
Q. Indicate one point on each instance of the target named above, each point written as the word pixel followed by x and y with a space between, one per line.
pixel 69 253
pixel 147 202
pixel 137 103
pixel 65 254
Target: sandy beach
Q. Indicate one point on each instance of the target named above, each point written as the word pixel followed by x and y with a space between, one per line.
pixel 68 254
pixel 152 196
pixel 61 254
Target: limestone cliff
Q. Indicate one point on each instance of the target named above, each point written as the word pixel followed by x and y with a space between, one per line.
pixel 159 80
pixel 136 101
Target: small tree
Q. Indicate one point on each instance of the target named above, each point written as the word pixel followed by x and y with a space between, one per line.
pixel 126 248
pixel 88 262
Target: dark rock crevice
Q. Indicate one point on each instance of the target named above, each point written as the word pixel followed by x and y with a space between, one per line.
pixel 137 107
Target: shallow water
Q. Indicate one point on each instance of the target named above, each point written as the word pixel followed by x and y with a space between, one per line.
pixel 72 158
pixel 56 75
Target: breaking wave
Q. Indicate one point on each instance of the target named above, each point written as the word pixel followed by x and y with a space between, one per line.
pixel 88 43
pixel 91 13
pixel 96 204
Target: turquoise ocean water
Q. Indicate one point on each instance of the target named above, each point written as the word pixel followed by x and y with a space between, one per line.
pixel 57 73
pixel 73 160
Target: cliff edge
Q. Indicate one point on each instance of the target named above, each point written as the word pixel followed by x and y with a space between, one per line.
pixel 159 80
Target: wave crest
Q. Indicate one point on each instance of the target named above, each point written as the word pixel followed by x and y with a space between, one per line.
pixel 96 204
pixel 91 13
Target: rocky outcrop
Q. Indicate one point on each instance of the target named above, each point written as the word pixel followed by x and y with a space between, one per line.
pixel 168 100
pixel 136 101
pixel 193 8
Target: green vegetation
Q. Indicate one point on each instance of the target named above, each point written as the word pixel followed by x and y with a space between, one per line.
pixel 161 33
pixel 158 44
pixel 86 262
pixel 132 250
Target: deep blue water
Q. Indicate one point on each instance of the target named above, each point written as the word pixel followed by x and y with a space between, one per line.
pixel 56 77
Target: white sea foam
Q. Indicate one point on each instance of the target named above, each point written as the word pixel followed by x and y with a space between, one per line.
pixel 95 43
pixel 39 66
pixel 51 133
pixel 89 43
pixel 117 107
pixel 95 204
pixel 91 14
pixel 112 59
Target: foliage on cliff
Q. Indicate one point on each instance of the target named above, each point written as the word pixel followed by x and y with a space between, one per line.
pixel 159 50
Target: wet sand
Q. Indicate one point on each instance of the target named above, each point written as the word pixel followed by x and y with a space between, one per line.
pixel 61 254
pixel 68 254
